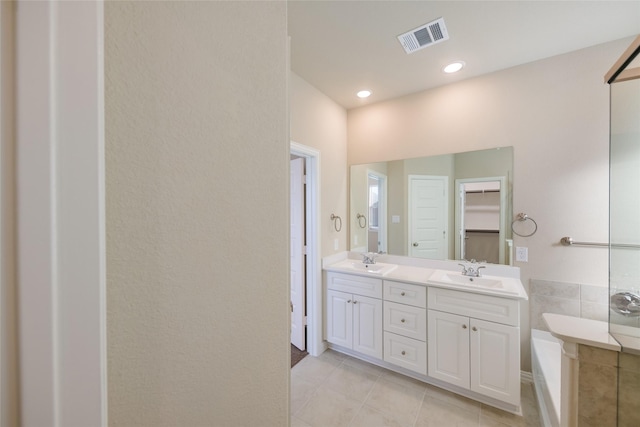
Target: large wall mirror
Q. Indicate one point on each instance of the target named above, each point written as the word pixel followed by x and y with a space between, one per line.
pixel 452 206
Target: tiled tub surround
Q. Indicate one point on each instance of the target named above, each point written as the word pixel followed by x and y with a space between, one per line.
pixel 606 381
pixel 628 390
pixel 571 299
pixel 597 386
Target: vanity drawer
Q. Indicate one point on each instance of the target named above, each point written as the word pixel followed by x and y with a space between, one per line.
pixel 484 307
pixel 405 352
pixel 405 320
pixel 405 293
pixel 360 285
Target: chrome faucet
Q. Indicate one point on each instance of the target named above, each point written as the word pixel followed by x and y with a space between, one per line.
pixel 472 270
pixel 369 258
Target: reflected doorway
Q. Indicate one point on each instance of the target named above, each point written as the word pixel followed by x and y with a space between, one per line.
pixel 377 206
pixel 480 216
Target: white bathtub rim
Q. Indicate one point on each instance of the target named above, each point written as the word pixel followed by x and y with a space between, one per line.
pixel 546 377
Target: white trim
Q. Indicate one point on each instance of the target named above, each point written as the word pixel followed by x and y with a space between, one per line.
pixel 60 193
pixel 315 345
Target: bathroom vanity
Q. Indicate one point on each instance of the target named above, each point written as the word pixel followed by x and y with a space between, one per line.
pixel 427 320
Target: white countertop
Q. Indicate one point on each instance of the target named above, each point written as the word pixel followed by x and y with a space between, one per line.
pixel 581 331
pixel 510 287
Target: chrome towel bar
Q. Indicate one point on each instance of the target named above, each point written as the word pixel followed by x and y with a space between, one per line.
pixel 568 241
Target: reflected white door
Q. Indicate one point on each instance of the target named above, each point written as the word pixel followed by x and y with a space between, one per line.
pixel 297 254
pixel 428 217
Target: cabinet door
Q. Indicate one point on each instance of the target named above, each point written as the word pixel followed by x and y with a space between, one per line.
pixel 339 318
pixel 448 348
pixel 367 326
pixel 495 360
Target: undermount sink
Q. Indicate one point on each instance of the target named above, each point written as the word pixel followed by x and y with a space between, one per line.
pixel 380 268
pixel 489 283
pixel 377 268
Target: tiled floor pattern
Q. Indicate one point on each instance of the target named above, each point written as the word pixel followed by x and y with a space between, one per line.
pixel 335 390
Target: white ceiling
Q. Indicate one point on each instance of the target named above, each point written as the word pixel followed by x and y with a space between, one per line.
pixel 343 46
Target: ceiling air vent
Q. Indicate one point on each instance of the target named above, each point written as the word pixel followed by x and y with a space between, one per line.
pixel 423 36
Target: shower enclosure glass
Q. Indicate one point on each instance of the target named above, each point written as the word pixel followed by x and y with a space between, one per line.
pixel 624 238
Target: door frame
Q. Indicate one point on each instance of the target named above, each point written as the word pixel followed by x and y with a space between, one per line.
pixel 459 222
pixel 298 264
pixel 60 131
pixel 315 346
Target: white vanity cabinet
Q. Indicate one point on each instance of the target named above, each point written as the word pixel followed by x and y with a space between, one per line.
pixel 354 313
pixel 474 343
pixel 405 325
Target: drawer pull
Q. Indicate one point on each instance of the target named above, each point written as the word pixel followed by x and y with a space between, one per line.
pixel 403 352
pixel 474 329
pixel 464 326
pixel 402 320
pixel 402 293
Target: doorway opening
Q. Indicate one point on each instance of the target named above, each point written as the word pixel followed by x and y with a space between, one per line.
pixel 306 279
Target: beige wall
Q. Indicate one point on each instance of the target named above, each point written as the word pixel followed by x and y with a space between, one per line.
pixel 554 112
pixel 197 156
pixel 320 123
pixel 8 316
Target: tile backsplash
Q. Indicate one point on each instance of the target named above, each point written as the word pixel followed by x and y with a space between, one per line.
pixel 571 299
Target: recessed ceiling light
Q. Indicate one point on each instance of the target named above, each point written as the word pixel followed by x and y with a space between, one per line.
pixel 454 67
pixel 364 94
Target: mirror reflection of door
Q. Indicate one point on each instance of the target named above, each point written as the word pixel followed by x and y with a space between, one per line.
pixel 428 207
pixel 480 218
pixel 377 206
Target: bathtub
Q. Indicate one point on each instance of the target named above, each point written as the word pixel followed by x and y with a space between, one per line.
pixel 546 355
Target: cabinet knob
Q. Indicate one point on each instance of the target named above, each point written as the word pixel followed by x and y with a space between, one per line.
pixel 402 320
pixel 348 301
pixel 415 244
pixel 474 329
pixel 403 352
pixel 464 326
pixel 402 293
pixel 355 302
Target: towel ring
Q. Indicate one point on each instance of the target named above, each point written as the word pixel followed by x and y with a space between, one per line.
pixel 521 218
pixel 360 216
pixel 337 222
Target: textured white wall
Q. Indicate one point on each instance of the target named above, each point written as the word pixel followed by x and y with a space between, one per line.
pixel 197 153
pixel 555 113
pixel 320 123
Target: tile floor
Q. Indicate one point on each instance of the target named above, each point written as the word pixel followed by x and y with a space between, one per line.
pixel 336 390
